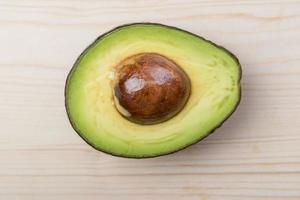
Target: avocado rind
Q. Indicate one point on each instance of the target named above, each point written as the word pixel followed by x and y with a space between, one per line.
pixel 166 26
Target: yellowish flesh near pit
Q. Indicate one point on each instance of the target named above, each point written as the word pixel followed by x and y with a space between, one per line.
pixel 215 91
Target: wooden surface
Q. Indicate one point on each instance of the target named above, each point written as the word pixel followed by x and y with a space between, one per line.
pixel 255 155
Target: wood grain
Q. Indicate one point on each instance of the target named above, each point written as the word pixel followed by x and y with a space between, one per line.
pixel 255 155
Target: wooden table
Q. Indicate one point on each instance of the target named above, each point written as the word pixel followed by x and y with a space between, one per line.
pixel 255 155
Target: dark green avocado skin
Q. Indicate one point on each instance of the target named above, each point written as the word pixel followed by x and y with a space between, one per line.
pixel 170 27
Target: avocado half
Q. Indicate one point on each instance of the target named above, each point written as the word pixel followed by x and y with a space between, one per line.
pixel 214 74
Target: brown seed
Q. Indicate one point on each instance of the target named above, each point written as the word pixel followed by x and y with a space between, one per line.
pixel 150 88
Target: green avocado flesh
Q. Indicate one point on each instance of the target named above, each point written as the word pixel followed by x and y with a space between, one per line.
pixel 214 74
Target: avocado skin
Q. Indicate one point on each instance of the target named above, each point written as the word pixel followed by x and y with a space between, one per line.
pixel 166 26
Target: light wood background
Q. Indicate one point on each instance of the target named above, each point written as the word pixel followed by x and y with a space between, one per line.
pixel 255 155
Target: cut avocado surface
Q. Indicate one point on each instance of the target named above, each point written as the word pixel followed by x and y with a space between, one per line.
pixel 145 90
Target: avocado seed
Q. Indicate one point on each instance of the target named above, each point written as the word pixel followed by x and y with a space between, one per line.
pixel 150 88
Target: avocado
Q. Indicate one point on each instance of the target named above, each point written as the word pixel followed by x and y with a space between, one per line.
pixel 144 90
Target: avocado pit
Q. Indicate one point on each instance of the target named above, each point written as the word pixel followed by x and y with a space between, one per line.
pixel 150 88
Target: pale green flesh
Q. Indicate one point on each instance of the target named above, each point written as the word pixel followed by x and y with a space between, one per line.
pixel 213 72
